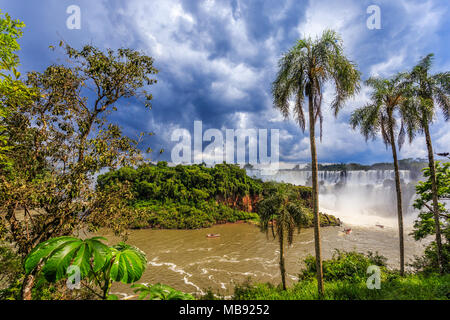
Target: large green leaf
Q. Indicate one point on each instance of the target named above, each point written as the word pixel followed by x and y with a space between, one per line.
pixel 43 251
pixel 128 264
pixel 99 251
pixel 58 254
pixel 160 292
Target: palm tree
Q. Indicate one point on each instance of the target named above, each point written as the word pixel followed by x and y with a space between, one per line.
pixel 378 116
pixel 281 212
pixel 303 71
pixel 429 92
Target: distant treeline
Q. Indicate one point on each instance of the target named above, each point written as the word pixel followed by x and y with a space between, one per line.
pixel 411 164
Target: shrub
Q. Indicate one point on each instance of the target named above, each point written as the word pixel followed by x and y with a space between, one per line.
pixel 346 266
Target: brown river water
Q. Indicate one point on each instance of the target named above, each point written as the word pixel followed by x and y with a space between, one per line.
pixel 189 261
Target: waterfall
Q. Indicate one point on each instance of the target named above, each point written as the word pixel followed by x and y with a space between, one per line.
pixel 359 197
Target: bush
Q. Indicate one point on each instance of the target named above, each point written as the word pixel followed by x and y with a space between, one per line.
pixel 346 266
pixel 346 277
pixel 428 263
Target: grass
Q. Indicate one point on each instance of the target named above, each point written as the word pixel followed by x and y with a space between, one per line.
pixel 410 287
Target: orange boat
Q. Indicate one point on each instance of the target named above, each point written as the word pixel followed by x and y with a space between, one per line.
pixel 213 235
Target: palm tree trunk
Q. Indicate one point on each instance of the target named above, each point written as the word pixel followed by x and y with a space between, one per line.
pixel 315 196
pixel 399 196
pixel 435 195
pixel 282 267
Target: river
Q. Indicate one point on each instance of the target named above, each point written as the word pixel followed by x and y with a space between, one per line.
pixel 189 261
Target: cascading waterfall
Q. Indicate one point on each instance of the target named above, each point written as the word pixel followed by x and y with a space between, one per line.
pixel 357 197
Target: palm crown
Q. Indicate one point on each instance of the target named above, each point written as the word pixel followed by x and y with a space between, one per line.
pixel 377 116
pixel 306 67
pixel 430 92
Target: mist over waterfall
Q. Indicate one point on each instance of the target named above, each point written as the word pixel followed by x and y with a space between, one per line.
pixel 362 197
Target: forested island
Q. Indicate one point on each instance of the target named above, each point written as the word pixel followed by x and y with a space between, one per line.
pixel 197 196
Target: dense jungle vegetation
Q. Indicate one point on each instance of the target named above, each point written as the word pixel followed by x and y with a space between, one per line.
pixel 195 196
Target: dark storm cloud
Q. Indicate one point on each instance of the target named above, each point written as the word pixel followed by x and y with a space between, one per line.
pixel 217 60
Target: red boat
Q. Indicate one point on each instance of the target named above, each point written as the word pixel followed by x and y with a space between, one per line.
pixel 213 235
pixel 348 231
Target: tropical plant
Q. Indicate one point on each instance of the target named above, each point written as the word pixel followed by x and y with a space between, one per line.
pixel 96 262
pixel 430 92
pixel 378 116
pixel 425 225
pixel 281 213
pixel 160 292
pixel 303 72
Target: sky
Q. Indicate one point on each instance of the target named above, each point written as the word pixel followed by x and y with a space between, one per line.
pixel 217 60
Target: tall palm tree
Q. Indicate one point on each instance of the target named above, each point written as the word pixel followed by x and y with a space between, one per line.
pixel 303 71
pixel 282 213
pixel 378 116
pixel 430 92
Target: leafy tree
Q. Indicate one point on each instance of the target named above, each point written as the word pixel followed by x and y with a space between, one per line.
pixel 12 90
pixel 378 116
pixel 281 213
pixel 303 71
pixel 160 292
pixel 62 139
pixel 99 264
pixel 430 92
pixel 425 224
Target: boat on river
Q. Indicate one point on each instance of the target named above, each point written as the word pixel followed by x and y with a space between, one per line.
pixel 213 235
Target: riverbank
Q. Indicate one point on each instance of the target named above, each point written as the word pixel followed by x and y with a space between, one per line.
pixel 410 287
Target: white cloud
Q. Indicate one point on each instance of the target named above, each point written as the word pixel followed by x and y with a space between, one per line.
pixel 341 16
pixel 387 68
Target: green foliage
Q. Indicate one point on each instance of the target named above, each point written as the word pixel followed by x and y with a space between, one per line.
pixel 63 137
pixel 160 292
pixel 58 254
pixel 196 196
pixel 173 215
pixel 425 223
pixel 378 116
pixel 97 262
pixel 281 211
pixel 306 67
pixel 11 273
pixel 430 91
pixel 184 184
pixel 410 287
pixel 428 263
pixel 10 32
pixel 346 280
pixel 185 197
pixel 345 266
pixel 128 263
pixel 10 263
pixel 12 91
